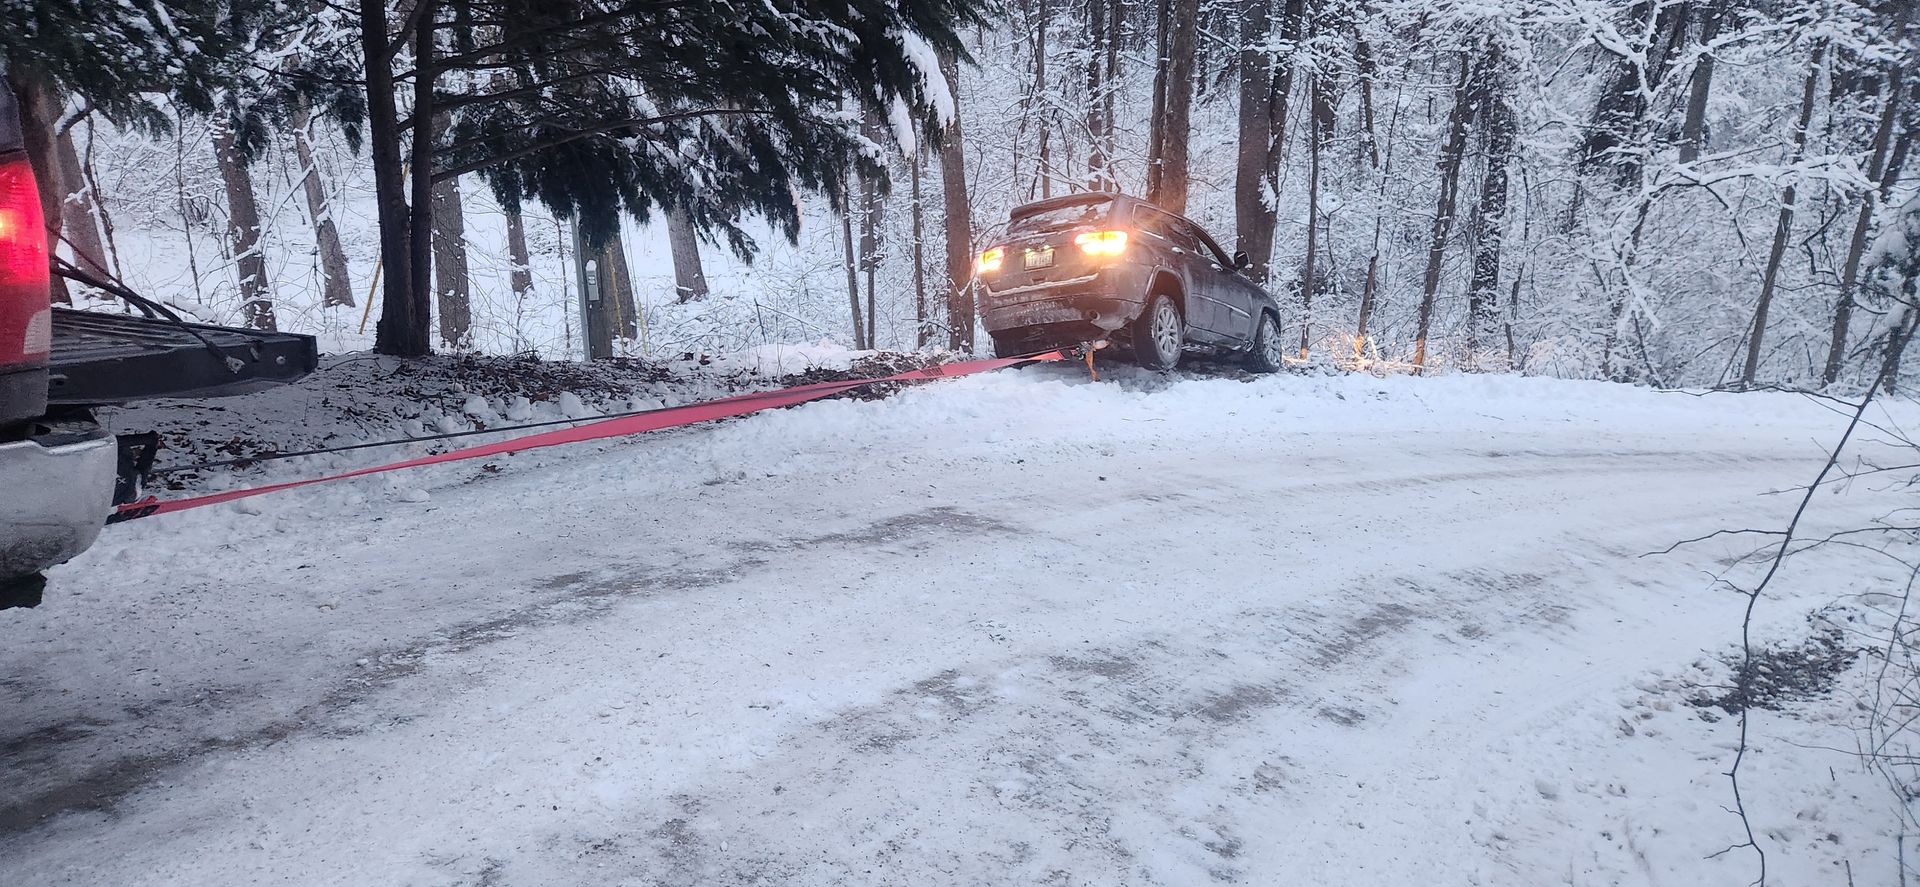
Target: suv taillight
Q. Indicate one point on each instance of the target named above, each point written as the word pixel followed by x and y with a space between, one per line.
pixel 26 315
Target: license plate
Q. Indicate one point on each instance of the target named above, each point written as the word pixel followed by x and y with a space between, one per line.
pixel 1038 258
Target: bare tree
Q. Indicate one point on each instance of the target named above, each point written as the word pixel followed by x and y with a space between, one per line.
pixel 1099 123
pixel 689 278
pixel 1252 197
pixel 1451 153
pixel 1308 270
pixel 1783 227
pixel 1883 175
pixel 452 286
pixel 852 264
pixel 1693 128
pixel 520 275
pixel 1043 169
pixel 243 230
pixel 1167 170
pixel 79 211
pixel 335 287
pixel 959 220
pixel 1620 114
pixel 1489 218
pixel 870 211
pixel 921 330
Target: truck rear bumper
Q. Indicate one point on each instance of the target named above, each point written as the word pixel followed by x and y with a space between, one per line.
pixel 23 394
pixel 58 489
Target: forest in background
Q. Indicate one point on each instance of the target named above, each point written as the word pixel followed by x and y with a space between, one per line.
pixel 1668 193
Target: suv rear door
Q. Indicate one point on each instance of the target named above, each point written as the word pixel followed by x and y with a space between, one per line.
pixel 1207 288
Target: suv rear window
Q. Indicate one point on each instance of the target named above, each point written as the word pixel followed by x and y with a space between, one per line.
pixel 1089 212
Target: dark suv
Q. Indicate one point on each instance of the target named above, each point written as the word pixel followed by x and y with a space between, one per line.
pixel 1101 266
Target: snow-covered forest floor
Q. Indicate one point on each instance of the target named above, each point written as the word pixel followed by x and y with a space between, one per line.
pixel 1016 628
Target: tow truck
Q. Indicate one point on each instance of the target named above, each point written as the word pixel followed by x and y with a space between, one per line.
pixel 61 470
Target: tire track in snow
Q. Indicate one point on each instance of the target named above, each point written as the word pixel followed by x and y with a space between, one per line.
pixel 1142 717
pixel 54 752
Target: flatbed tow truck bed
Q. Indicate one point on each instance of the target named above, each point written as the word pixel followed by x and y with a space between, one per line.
pixel 101 358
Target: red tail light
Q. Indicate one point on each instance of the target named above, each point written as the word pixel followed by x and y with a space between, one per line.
pixel 26 315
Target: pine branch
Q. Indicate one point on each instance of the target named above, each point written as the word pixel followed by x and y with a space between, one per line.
pixel 576 135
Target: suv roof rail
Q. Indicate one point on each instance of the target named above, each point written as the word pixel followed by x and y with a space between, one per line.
pixel 1027 209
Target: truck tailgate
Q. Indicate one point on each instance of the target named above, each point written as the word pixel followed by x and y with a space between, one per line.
pixel 114 358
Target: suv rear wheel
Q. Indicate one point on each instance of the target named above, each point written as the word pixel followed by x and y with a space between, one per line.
pixel 1159 334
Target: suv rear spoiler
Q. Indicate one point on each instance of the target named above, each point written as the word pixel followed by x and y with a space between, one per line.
pixel 114 358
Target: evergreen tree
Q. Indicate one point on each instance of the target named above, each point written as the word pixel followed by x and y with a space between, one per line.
pixel 608 107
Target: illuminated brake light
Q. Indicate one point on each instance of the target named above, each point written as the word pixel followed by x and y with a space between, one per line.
pixel 991 260
pixel 1101 243
pixel 25 320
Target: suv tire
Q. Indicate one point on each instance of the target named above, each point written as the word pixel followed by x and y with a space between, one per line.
pixel 1267 355
pixel 1158 334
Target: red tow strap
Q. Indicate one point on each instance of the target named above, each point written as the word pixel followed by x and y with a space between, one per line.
pixel 669 417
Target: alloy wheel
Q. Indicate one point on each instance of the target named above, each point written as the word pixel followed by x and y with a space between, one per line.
pixel 1166 330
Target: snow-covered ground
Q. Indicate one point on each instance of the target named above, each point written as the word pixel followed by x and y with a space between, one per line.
pixel 1018 628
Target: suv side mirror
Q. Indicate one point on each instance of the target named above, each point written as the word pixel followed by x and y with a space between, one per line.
pixel 1242 261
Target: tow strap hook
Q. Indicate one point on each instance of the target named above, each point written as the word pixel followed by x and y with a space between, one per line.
pixel 1086 350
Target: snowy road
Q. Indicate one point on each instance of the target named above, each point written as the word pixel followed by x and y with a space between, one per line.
pixel 1016 629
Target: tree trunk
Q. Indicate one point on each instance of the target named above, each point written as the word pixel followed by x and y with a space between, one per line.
pixel 852 264
pixel 403 324
pixel 1255 208
pixel 607 312
pixel 920 330
pixel 959 221
pixel 1693 131
pixel 1157 109
pixel 1293 28
pixel 1783 228
pixel 39 113
pixel 335 285
pixel 521 274
pixel 1883 175
pixel 1098 163
pixel 1489 219
pixel 1307 269
pixel 1619 116
pixel 452 288
pixel 1320 95
pixel 1368 290
pixel 870 210
pixel 1450 157
pixel 689 278
pixel 625 311
pixel 79 212
pixel 1109 120
pixel 243 231
pixel 1044 166
pixel 1253 202
pixel 420 222
pixel 1899 335
pixel 1167 169
pixel 1369 141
